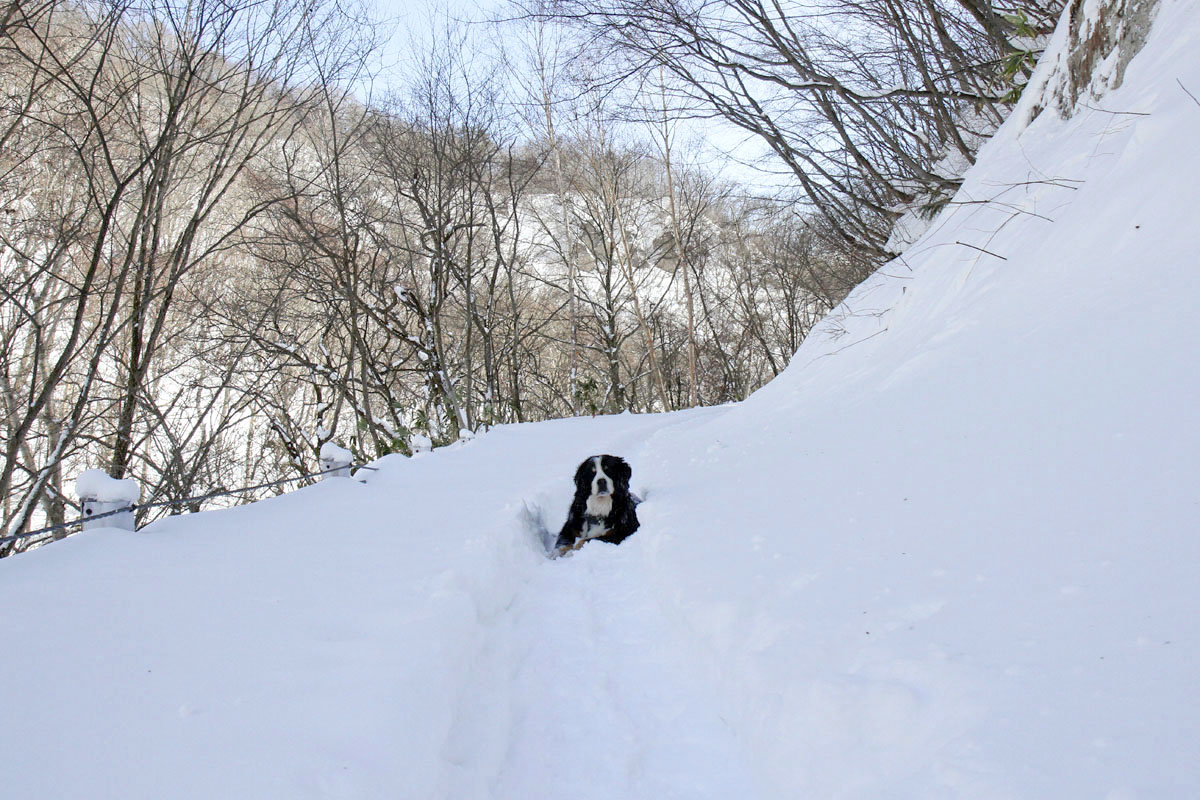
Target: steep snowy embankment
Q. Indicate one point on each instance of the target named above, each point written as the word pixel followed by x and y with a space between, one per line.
pixel 951 552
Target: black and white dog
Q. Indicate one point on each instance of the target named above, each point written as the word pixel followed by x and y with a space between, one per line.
pixel 603 508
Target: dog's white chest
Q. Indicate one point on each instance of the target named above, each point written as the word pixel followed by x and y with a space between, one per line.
pixel 599 505
pixel 596 521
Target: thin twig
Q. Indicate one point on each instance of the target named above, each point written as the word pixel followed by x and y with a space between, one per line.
pixel 852 344
pixel 980 249
pixel 1124 113
pixel 1189 94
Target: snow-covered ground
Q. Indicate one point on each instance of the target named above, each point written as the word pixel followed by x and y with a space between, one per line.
pixel 951 552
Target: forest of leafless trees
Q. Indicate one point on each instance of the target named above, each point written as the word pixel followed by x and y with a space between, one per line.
pixel 220 247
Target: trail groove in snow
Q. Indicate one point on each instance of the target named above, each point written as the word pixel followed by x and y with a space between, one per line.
pixel 578 691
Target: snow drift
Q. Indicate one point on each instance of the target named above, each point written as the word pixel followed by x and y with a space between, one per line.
pixel 951 552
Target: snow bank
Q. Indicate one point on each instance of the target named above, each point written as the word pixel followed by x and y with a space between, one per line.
pixel 95 484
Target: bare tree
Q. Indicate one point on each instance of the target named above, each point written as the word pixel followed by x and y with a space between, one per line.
pixel 858 101
pixel 151 117
pixel 403 228
pixel 62 293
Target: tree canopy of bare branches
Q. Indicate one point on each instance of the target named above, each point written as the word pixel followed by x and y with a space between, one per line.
pixel 862 102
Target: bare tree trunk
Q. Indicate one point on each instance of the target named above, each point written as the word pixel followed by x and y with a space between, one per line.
pixel 681 260
pixel 567 247
pixel 627 262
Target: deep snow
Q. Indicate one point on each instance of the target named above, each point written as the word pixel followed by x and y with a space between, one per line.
pixel 951 552
pixel 97 485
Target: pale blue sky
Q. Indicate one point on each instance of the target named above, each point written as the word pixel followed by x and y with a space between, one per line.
pixel 412 23
pixel 412 26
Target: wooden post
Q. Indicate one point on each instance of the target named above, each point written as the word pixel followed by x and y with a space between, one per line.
pixel 99 494
pixel 93 507
pixel 335 461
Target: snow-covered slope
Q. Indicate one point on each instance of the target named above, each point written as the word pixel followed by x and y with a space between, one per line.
pixel 951 552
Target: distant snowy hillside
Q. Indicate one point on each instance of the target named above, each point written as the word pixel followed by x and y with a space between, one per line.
pixel 950 553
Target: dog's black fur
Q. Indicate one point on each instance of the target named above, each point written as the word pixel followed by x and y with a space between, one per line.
pixel 621 520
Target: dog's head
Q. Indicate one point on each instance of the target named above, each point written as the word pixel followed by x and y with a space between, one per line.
pixel 602 476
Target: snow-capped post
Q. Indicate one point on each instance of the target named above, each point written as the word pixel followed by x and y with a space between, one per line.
pixel 335 461
pixel 99 494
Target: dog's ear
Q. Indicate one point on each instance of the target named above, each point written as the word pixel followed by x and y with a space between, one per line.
pixel 622 470
pixel 583 475
pixel 628 522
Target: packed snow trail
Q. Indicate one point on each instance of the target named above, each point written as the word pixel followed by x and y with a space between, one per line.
pixel 352 640
pixel 574 684
pixel 579 692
